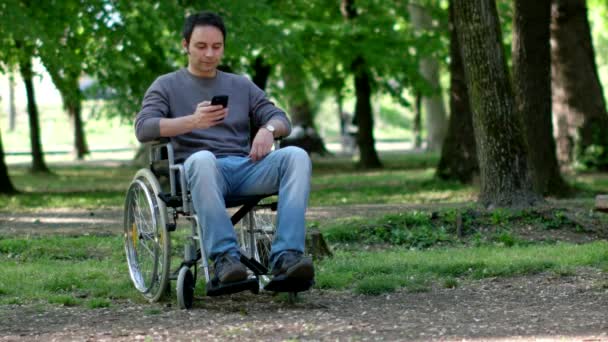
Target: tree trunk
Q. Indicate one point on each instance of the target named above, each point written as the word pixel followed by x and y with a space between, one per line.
pixel 299 107
pixel 261 72
pixel 301 113
pixel 38 164
pixel 66 81
pixel 80 142
pixel 316 245
pixel 6 186
pixel 12 111
pixel 368 157
pixel 501 148
pixel 579 107
pixel 417 120
pixel 458 154
pixel 434 109
pixel 532 88
pixel 341 115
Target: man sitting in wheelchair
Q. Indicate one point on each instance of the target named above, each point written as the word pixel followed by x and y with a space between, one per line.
pixel 220 159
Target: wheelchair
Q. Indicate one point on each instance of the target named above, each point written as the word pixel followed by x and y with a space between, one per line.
pixel 151 215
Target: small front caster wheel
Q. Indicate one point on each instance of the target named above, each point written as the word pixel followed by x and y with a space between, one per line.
pixel 185 288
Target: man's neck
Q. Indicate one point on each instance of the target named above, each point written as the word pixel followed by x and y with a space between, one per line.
pixel 197 73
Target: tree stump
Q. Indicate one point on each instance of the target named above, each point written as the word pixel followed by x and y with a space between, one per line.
pixel 601 203
pixel 316 245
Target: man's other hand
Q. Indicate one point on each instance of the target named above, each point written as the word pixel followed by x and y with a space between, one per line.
pixel 262 144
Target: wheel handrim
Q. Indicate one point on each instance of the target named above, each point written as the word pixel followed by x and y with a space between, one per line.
pixel 146 243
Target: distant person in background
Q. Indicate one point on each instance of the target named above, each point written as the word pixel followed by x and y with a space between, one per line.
pixel 348 131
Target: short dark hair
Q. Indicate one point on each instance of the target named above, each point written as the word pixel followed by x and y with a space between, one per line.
pixel 204 18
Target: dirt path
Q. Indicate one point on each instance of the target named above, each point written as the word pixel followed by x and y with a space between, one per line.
pixel 540 307
pixel 109 220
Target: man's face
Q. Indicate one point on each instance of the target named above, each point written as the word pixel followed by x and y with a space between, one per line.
pixel 205 50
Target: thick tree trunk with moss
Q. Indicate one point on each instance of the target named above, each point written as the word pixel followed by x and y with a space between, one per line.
pixel 501 148
pixel 532 88
pixel 6 186
pixel 434 108
pixel 458 154
pixel 38 164
pixel 368 157
pixel 579 107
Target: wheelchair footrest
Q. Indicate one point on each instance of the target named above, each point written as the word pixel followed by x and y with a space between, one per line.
pixel 215 288
pixel 253 265
pixel 284 284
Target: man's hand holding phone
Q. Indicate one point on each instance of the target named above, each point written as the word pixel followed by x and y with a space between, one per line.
pixel 209 114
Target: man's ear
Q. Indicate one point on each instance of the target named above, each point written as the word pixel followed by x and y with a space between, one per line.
pixel 185 46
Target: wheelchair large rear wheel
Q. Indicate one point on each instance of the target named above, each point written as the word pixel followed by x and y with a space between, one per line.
pixel 147 241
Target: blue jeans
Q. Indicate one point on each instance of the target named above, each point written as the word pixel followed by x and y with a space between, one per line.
pixel 212 179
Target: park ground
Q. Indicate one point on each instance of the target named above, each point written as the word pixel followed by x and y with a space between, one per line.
pixel 543 302
pixel 543 306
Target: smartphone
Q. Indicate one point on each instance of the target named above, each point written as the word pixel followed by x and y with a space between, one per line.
pixel 220 100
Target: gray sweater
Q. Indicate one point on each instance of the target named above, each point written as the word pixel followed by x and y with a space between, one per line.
pixel 176 94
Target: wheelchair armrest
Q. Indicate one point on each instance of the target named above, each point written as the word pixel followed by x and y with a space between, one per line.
pixel 162 140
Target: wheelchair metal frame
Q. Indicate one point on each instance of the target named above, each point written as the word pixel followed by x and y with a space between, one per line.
pixel 178 203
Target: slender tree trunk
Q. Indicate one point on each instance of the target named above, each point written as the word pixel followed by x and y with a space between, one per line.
pixel 12 111
pixel 301 112
pixel 499 135
pixel 66 80
pixel 579 107
pixel 38 164
pixel 458 154
pixel 6 186
pixel 72 101
pixel 80 142
pixel 368 157
pixel 341 116
pixel 532 87
pixel 434 109
pixel 417 120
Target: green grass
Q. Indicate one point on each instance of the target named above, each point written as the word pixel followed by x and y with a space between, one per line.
pixel 377 272
pixel 413 230
pixel 69 187
pixel 422 229
pixel 406 178
pixel 64 270
pixel 91 271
